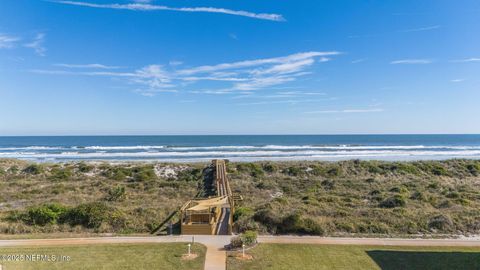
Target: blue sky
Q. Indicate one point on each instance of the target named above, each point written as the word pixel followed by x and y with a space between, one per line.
pixel 239 67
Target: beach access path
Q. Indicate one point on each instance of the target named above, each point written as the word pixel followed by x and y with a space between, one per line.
pixel 216 255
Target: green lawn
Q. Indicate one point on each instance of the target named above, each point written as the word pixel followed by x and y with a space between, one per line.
pixel 110 256
pixel 317 257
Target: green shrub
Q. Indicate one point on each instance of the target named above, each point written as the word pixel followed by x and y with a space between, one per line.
pixel 246 223
pixel 33 169
pixel 440 170
pixel 253 169
pixel 249 238
pixel 291 223
pixel 89 215
pixel 440 222
pixel 242 212
pixel 407 168
pixel 60 174
pixel 84 167
pixel 236 242
pixel 474 169
pixel 294 171
pixel 45 214
pixel 270 168
pixel 373 168
pixel 189 175
pixel 142 174
pixel 311 227
pixel 394 201
pixel 268 218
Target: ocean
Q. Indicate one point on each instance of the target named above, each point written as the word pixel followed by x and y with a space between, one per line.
pixel 240 148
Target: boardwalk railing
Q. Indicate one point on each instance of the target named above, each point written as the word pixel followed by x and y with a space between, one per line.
pixel 220 216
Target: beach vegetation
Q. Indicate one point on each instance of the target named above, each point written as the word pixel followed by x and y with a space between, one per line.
pixel 117 193
pixel 33 169
pixel 301 197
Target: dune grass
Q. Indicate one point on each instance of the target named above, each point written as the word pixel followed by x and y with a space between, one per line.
pixel 318 257
pixel 353 197
pixel 110 256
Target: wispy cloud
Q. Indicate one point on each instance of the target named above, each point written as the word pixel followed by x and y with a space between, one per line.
pixel 175 63
pixel 151 7
pixel 37 44
pixel 356 61
pixel 86 66
pixel 346 111
pixel 249 75
pixel 411 61
pixel 7 41
pixel 457 80
pixel 420 29
pixel 279 95
pixel 84 73
pixel 287 101
pixel 467 60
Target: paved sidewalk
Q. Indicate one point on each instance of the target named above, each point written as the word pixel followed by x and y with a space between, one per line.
pixel 215 259
pixel 216 256
pixel 462 242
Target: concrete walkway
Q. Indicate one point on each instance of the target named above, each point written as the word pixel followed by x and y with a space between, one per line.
pixel 215 258
pixel 216 255
pixel 463 242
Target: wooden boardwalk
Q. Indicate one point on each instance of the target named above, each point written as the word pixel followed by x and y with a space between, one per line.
pixel 212 215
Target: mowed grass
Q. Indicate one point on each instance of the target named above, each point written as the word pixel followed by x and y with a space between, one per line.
pixel 110 256
pixel 317 257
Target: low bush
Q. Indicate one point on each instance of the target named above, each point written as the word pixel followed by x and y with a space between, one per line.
pixel 249 238
pixel 292 223
pixel 394 201
pixel 294 171
pixel 45 214
pixel 236 242
pixel 60 174
pixel 84 167
pixel 474 169
pixel 145 173
pixel 440 222
pixel 33 169
pixel 270 168
pixel 89 215
pixel 440 170
pixel 242 212
pixel 253 169
pixel 189 175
